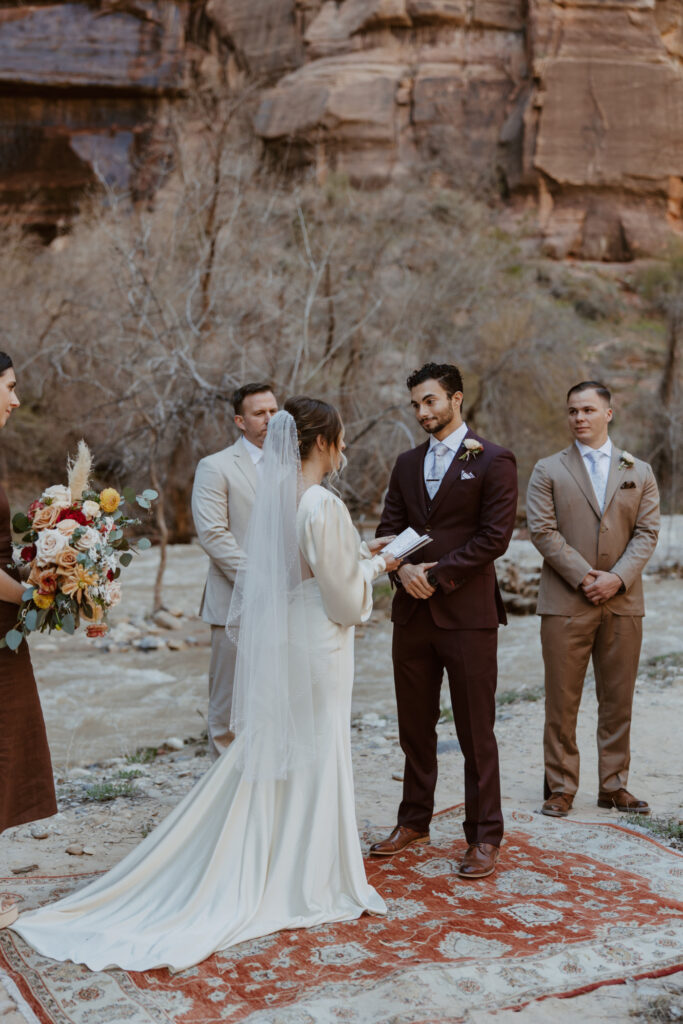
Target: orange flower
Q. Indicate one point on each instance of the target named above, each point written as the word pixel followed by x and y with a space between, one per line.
pixel 110 499
pixel 45 518
pixel 66 561
pixel 76 582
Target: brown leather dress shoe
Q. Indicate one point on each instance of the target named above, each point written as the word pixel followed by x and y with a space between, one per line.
pixel 623 801
pixel 400 838
pixel 558 805
pixel 479 861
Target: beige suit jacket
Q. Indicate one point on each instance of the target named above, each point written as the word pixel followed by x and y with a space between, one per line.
pixel 222 500
pixel 568 529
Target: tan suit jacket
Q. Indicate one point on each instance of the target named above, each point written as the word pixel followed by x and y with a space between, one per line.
pixel 222 500
pixel 568 529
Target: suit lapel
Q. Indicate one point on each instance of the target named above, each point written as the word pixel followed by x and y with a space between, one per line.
pixel 422 450
pixel 451 475
pixel 243 462
pixel 574 463
pixel 613 477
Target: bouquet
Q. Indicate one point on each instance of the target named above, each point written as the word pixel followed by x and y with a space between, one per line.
pixel 73 540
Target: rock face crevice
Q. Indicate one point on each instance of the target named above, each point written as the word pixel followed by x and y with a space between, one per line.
pixel 81 86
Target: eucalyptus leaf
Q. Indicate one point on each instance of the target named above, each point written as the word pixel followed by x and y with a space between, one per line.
pixel 31 620
pixel 115 535
pixel 129 494
pixel 144 543
pixel 150 494
pixel 28 594
pixel 142 501
pixel 13 639
pixel 69 623
pixel 21 523
pixel 126 558
pixel 29 537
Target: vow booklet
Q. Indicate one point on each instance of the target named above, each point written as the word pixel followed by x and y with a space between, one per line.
pixel 406 542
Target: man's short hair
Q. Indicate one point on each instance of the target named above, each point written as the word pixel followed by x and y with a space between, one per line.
pixel 446 374
pixel 240 394
pixel 592 385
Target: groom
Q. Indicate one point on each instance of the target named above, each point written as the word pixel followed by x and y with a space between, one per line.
pixel 462 490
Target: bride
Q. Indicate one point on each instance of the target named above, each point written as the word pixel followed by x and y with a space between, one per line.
pixel 267 839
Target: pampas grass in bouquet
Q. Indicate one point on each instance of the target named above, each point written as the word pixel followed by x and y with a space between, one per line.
pixel 74 543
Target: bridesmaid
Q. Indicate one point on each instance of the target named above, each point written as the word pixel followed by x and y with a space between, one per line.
pixel 27 789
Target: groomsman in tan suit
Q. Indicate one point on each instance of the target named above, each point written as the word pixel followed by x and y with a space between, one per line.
pixel 593 513
pixel 222 500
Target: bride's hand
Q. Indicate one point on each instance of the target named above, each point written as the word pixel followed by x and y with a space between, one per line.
pixel 378 543
pixel 392 564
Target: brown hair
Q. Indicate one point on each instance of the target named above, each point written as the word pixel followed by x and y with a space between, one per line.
pixel 313 418
pixel 238 396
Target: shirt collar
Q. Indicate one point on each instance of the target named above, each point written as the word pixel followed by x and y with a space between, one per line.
pixel 605 449
pixel 454 439
pixel 255 453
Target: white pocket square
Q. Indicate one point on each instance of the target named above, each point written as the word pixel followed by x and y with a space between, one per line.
pixel 467 476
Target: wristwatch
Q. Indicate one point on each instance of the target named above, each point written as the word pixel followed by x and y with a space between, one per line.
pixel 430 576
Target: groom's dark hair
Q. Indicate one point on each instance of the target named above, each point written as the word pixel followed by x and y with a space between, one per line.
pixel 5 362
pixel 446 374
pixel 240 394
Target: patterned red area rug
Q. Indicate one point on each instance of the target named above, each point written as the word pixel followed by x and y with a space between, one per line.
pixel 571 906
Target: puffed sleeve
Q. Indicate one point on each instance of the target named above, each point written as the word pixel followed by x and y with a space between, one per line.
pixel 330 544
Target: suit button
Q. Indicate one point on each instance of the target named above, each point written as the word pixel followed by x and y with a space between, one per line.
pixel 603 529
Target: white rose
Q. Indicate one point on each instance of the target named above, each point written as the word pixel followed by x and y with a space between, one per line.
pixel 88 539
pixel 472 444
pixel 91 509
pixel 113 593
pixel 59 496
pixel 48 546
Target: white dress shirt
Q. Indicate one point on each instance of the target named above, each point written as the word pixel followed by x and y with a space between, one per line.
pixel 255 454
pixel 453 442
pixel 598 477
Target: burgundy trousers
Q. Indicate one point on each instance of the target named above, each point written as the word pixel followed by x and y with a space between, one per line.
pixel 421 651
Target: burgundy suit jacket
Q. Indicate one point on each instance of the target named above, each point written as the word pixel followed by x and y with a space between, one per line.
pixel 470 520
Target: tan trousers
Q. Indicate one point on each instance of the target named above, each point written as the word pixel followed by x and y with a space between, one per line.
pixel 221 677
pixel 568 642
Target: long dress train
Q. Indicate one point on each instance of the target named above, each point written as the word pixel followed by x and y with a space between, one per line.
pixel 239 859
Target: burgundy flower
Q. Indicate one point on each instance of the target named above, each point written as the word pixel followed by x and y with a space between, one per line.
pixel 28 553
pixel 73 513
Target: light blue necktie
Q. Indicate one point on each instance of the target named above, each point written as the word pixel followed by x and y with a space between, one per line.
pixel 597 477
pixel 438 470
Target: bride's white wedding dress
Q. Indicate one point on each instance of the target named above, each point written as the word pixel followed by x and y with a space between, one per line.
pixel 239 859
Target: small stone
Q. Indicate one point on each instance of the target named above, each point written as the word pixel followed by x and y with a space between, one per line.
pixel 166 620
pixel 24 869
pixel 174 743
pixel 175 612
pixel 89 851
pixel 80 773
pixel 39 832
pixel 75 850
pixel 149 643
pixel 397 776
pixel 174 644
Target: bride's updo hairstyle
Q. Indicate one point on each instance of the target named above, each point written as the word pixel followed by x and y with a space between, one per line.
pixel 314 419
pixel 5 362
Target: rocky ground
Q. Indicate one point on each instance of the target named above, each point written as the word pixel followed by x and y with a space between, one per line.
pixel 125 719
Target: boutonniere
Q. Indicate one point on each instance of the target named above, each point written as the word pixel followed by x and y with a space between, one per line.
pixel 626 461
pixel 472 449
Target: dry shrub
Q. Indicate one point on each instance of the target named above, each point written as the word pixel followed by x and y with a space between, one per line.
pixel 133 330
